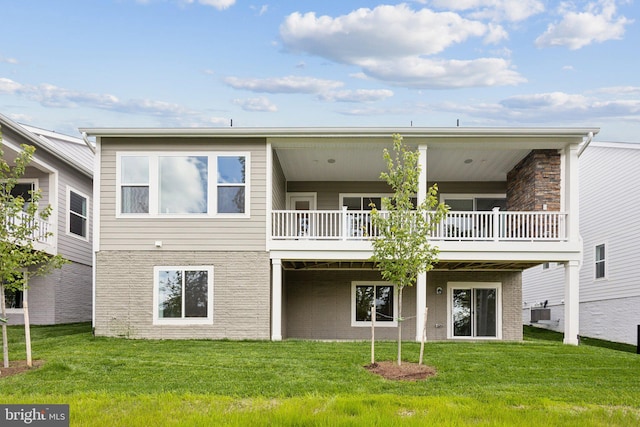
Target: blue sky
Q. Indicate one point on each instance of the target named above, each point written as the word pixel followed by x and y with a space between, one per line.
pixel 171 63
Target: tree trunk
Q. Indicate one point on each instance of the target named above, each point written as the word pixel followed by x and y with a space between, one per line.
pixel 400 288
pixel 5 343
pixel 27 326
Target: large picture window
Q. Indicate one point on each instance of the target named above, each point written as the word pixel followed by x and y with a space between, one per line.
pixel 363 294
pixel 77 214
pixel 474 310
pixel 183 295
pixel 183 184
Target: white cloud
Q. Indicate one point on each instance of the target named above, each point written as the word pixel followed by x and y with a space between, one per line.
pixel 218 4
pixel 382 32
pixel 288 84
pixel 12 61
pixel 496 10
pixel 596 24
pixel 260 104
pixel 439 74
pixel 9 86
pixel 391 43
pixel 360 95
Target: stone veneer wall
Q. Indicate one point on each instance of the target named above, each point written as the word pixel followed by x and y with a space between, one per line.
pixel 535 182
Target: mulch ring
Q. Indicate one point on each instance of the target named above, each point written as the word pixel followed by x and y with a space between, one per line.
pixel 18 367
pixel 405 372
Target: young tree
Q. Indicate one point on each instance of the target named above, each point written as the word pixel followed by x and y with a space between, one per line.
pixel 19 228
pixel 402 250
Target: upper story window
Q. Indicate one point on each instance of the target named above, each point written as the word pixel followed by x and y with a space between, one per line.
pixel 600 261
pixel 24 188
pixel 183 184
pixel 78 218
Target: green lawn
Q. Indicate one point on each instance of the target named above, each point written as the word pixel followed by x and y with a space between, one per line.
pixel 118 382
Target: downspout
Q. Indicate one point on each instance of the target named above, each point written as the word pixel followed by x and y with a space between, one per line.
pixel 91 147
pixel 586 143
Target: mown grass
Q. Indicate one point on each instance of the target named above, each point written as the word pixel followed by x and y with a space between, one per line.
pixel 118 382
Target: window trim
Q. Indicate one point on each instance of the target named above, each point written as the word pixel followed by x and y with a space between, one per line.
pixel 212 184
pixel 363 195
pixel 69 213
pixel 184 320
pixel 602 261
pixel 474 285
pixel 367 323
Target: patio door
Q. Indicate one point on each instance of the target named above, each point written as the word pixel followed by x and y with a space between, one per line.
pixel 303 202
pixel 474 310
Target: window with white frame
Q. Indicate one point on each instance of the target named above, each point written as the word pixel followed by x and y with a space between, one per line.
pixel 24 189
pixel 363 295
pixel 183 295
pixel 183 184
pixel 474 202
pixel 474 310
pixel 77 209
pixel 600 262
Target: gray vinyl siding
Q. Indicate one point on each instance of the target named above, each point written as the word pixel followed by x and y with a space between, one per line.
pixel 70 246
pixel 279 184
pixel 609 203
pixel 183 233
pixel 241 294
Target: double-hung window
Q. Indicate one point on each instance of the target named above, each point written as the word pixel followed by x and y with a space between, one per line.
pixel 600 262
pixel 183 295
pixel 179 184
pixel 78 218
pixel 363 296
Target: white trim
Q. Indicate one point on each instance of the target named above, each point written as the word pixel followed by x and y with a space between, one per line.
pixel 184 320
pixel 68 216
pixel 212 183
pixel 96 224
pixel 474 285
pixel 356 323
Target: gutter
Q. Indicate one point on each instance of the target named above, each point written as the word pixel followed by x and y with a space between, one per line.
pixel 586 143
pixel 88 143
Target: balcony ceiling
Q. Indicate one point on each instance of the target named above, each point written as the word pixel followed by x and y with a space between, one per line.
pixel 339 163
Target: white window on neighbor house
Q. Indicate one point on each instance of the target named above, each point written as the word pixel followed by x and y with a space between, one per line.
pixel 24 188
pixel 600 261
pixel 77 214
pixel 13 299
pixel 363 295
pixel 183 295
pixel 474 310
pixel 183 185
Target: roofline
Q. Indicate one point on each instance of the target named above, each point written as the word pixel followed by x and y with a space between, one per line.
pixel 347 132
pixel 43 144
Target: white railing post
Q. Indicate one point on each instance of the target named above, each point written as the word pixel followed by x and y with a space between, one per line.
pixel 496 223
pixel 345 225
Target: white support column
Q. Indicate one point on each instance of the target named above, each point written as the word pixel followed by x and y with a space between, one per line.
pixel 421 286
pixel 276 300
pixel 421 303
pixel 570 187
pixel 571 302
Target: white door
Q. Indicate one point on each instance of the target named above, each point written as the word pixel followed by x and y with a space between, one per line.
pixel 303 202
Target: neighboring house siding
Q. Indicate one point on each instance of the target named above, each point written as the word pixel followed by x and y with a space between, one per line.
pixel 71 247
pixel 241 294
pixel 183 233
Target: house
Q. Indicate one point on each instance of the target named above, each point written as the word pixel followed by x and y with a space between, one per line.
pixel 265 233
pixel 609 276
pixel 62 167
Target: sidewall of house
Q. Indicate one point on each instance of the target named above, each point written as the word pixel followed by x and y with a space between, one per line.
pixel 241 294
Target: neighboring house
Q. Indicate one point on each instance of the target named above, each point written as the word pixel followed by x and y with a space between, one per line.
pixel 265 233
pixel 62 167
pixel 609 275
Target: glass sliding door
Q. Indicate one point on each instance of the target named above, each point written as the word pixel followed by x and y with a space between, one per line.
pixel 474 310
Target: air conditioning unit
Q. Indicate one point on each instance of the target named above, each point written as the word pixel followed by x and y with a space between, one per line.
pixel 538 314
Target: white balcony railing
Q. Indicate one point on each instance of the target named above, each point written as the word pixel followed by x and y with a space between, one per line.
pixel 41 232
pixel 457 226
